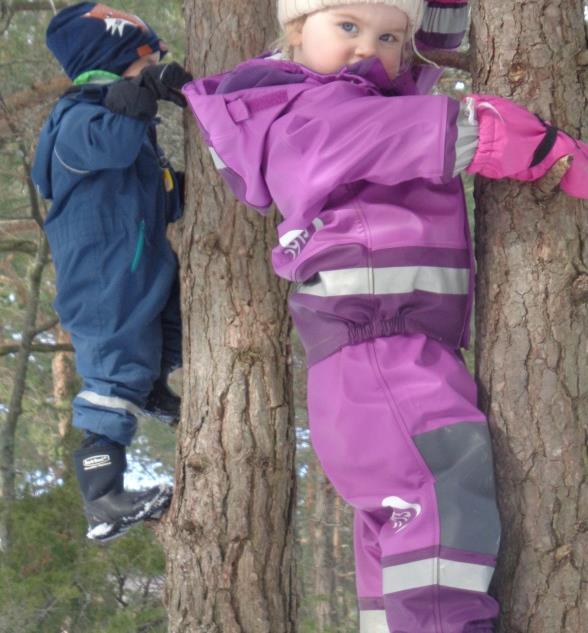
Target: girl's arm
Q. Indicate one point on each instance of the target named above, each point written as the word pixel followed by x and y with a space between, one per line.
pixel 320 146
pixel 515 143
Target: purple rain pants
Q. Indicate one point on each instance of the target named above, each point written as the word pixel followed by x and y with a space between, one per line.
pixel 395 426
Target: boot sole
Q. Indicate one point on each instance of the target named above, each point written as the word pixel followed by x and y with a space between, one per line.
pixel 104 532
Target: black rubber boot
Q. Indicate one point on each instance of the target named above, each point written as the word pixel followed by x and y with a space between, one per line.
pixel 163 403
pixel 110 509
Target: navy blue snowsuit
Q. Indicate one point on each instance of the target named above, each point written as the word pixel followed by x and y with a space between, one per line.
pixel 113 194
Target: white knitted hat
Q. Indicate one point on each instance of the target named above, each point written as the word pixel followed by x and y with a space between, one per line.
pixel 291 9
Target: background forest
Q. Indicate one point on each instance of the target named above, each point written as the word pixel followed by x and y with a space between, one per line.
pixel 51 578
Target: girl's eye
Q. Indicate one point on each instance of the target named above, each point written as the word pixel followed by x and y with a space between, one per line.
pixel 348 27
pixel 388 38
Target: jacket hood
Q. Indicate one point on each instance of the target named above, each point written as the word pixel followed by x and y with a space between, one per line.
pixel 235 110
pixel 271 70
pixel 41 172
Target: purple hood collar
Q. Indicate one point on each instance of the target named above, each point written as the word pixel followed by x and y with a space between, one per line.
pixel 269 71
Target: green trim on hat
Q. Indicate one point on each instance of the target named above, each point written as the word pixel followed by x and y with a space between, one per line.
pixel 95 76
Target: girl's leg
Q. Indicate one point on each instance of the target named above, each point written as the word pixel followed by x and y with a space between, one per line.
pixel 395 426
pixel 368 574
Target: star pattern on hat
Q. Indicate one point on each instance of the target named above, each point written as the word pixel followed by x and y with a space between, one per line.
pixel 116 25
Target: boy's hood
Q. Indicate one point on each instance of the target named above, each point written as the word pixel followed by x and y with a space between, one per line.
pixel 41 172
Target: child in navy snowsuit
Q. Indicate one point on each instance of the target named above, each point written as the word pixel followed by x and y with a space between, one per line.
pixel 339 131
pixel 113 193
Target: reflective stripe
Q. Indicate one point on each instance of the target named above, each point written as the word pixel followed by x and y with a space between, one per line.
pixel 109 402
pixel 392 280
pixel 445 19
pixel 81 172
pixel 216 159
pixel 373 622
pixel 437 571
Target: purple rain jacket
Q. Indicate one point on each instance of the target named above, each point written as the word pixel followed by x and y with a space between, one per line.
pixel 374 230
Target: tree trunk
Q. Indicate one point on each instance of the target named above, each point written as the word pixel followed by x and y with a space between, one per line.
pixel 532 324
pixel 228 535
pixel 322 542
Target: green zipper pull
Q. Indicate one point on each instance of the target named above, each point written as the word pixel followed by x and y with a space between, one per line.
pixel 139 247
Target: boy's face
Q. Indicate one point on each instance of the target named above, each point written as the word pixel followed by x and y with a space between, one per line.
pixel 347 34
pixel 137 66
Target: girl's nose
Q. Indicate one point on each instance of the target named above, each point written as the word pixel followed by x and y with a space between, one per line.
pixel 365 48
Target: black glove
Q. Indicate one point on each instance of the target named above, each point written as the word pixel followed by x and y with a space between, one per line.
pixel 137 97
pixel 129 98
pixel 165 81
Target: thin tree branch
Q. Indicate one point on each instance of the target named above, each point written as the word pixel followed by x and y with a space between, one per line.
pixel 48 325
pixel 449 59
pixel 40 348
pixel 20 246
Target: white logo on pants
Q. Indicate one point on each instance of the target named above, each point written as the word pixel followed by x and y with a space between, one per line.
pixel 403 512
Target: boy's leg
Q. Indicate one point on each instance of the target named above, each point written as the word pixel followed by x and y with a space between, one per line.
pixel 162 403
pixel 171 325
pixel 114 316
pixel 376 413
pixel 113 308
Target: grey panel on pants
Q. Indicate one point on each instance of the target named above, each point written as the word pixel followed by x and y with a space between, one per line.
pixel 460 458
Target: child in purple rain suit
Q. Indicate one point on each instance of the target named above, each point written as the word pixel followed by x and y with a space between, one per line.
pixel 336 130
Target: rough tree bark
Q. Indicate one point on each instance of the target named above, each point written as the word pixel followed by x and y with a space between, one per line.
pixel 323 560
pixel 532 332
pixel 228 535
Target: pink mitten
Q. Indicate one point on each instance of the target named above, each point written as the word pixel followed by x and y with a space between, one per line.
pixel 514 143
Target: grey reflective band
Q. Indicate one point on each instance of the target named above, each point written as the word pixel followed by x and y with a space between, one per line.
pixel 391 280
pixel 373 622
pixel 466 144
pixel 445 19
pixel 437 571
pixel 109 402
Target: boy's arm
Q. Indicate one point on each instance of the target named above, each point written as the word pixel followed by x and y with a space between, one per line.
pixel 93 138
pixel 137 97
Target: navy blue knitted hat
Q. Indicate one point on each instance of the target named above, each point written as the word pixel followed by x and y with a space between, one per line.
pixel 90 36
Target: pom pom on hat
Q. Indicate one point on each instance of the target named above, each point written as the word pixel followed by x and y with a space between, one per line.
pixel 289 10
pixel 90 36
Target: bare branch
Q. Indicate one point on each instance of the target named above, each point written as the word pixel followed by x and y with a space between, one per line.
pixel 36 348
pixel 48 325
pixel 21 246
pixel 16 103
pixel 449 59
pixel 17 225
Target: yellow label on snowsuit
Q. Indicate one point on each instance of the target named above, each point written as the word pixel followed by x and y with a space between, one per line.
pixel 168 181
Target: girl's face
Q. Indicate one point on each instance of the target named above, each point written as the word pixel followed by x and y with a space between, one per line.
pixel 347 34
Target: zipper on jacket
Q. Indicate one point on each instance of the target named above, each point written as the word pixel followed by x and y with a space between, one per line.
pixel 139 247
